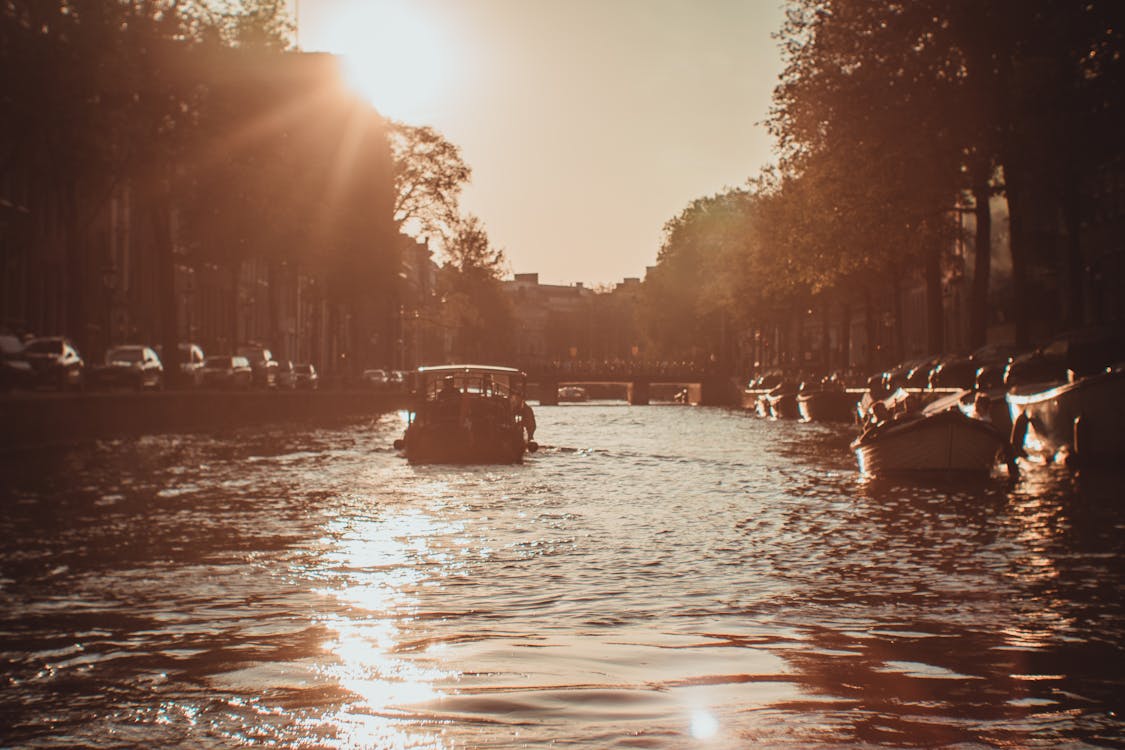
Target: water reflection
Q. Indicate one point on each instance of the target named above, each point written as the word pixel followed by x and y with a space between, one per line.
pixel 660 577
pixel 372 567
pixel 965 626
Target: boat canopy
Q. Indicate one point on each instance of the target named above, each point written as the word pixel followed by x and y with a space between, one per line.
pixel 471 380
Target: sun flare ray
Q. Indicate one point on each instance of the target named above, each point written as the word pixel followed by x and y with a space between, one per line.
pixel 392 55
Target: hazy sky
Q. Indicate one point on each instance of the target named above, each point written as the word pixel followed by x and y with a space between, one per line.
pixel 587 123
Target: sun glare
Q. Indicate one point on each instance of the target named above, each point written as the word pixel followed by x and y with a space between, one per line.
pixel 392 57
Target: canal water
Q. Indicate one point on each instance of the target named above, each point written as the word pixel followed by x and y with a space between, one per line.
pixel 655 577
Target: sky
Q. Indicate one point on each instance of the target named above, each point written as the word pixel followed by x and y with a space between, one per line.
pixel 588 124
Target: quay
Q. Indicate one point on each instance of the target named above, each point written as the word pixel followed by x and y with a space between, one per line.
pixel 36 419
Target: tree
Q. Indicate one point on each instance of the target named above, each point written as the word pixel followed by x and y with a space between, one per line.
pixel 96 95
pixel 1028 91
pixel 863 109
pixel 693 287
pixel 429 175
pixel 476 308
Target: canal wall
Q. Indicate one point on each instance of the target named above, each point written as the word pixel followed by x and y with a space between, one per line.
pixel 28 420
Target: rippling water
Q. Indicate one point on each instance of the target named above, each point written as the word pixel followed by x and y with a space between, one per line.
pixel 655 577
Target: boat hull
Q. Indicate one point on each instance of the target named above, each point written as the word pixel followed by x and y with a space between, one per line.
pixel 945 442
pixel 783 406
pixel 828 406
pixel 458 444
pixel 753 398
pixel 1096 403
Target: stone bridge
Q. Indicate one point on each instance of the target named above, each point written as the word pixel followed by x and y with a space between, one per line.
pixel 705 388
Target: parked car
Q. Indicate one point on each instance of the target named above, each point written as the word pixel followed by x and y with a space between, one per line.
pixel 374 378
pixel 397 379
pixel 262 364
pixel 55 363
pixel 15 372
pixel 286 377
pixel 305 377
pixel 190 359
pixel 225 371
pixel 130 366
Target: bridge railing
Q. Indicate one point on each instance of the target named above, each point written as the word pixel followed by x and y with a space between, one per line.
pixel 651 371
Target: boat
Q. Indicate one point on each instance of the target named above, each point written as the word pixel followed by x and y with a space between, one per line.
pixel 827 401
pixel 1080 418
pixel 1067 398
pixel 754 396
pixel 782 401
pixel 468 414
pixel 828 406
pixel 762 406
pixel 573 394
pixel 940 437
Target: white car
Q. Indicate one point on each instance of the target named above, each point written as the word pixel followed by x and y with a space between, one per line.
pixel 374 378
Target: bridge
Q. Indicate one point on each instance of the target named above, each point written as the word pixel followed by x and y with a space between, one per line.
pixel 706 388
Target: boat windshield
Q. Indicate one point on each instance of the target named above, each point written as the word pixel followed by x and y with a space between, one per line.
pixel 436 385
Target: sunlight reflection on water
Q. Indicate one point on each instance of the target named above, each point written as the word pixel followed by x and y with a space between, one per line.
pixel 660 577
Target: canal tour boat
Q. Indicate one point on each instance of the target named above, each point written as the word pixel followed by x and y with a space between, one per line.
pixel 941 437
pixel 468 414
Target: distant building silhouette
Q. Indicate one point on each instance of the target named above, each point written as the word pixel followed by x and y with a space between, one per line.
pixel 556 324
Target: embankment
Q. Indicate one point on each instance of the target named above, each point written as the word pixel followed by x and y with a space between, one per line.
pixel 28 420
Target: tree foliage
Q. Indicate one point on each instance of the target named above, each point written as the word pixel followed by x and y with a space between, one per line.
pixel 890 118
pixel 429 175
pixel 234 146
pixel 475 306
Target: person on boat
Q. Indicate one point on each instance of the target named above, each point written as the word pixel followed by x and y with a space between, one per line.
pixel 528 417
pixel 449 392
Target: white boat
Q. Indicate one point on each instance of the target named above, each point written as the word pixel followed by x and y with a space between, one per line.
pixel 573 394
pixel 938 438
pixel 1082 418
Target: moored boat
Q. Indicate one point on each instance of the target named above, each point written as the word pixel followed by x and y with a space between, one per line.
pixel 469 414
pixel 755 396
pixel 782 401
pixel 1083 417
pixel 938 438
pixel 831 405
pixel 573 394
pixel 1068 396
